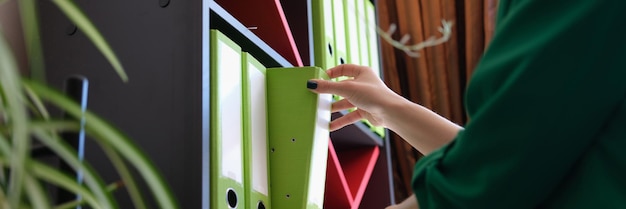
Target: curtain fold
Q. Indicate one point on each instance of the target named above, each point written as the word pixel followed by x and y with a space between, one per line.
pixel 437 78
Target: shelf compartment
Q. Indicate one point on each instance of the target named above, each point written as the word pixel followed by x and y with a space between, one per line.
pixel 337 192
pixel 358 165
pixel 223 21
pixel 269 22
pixel 348 175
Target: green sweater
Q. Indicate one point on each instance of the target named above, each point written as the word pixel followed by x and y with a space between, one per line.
pixel 547 109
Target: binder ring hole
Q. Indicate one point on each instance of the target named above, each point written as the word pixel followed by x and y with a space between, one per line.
pixel 231 198
pixel 272 150
pixel 342 61
pixel 260 205
pixel 288 196
pixel 293 140
pixel 330 49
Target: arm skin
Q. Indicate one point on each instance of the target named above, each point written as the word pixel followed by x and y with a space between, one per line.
pixel 425 130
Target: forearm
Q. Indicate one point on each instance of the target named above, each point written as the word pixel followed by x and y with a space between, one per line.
pixel 425 130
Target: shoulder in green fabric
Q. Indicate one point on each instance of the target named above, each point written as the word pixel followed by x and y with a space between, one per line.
pixel 546 105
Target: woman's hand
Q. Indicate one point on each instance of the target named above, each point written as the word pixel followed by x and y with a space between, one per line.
pixel 363 90
pixel 419 126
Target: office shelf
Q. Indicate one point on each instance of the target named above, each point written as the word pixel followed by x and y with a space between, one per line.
pixel 164 106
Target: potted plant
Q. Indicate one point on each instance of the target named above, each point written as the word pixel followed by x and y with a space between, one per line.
pixel 24 120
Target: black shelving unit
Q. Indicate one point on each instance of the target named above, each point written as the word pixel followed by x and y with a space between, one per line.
pixel 164 107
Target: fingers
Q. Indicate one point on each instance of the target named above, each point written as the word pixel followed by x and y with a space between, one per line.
pixel 330 87
pixel 345 120
pixel 349 70
pixel 343 104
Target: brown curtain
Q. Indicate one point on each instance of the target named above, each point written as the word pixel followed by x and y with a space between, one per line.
pixel 437 78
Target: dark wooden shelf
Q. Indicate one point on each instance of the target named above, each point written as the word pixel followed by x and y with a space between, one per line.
pixel 222 20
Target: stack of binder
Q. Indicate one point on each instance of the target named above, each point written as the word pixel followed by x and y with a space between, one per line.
pixel 239 146
pixel 344 31
pixel 269 133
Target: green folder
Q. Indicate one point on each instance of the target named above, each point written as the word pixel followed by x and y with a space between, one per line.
pixel 352 31
pixel 256 158
pixel 298 135
pixel 372 37
pixel 323 34
pixel 363 29
pixel 341 46
pixel 226 148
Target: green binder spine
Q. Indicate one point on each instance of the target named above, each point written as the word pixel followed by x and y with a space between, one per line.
pixel 256 152
pixel 298 135
pixel 340 32
pixel 352 31
pixel 363 29
pixel 226 124
pixel 323 34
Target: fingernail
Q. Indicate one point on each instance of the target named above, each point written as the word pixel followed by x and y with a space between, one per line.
pixel 311 85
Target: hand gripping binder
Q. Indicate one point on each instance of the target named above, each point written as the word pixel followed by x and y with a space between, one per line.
pixel 226 124
pixel 299 137
pixel 256 172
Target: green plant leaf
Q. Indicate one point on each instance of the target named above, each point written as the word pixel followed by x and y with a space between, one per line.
pixel 41 109
pixel 91 179
pixel 32 39
pixel 86 26
pixel 17 116
pixel 128 179
pixel 56 125
pixel 3 200
pixel 48 174
pixel 36 194
pixel 104 132
pixel 64 181
pixel 74 203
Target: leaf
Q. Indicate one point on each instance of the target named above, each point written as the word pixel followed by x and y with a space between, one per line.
pixel 79 18
pixel 104 132
pixel 32 39
pixel 37 102
pixel 92 180
pixel 74 203
pixel 56 125
pixel 62 180
pixel 121 168
pixel 18 117
pixel 36 193
pixel 48 174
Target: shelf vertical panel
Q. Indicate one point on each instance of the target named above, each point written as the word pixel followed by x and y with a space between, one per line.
pixel 160 108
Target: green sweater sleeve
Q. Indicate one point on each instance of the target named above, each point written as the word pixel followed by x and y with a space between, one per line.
pixel 547 85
